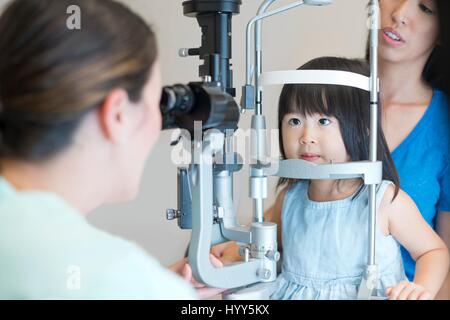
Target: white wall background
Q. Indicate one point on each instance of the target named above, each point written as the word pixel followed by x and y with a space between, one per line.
pixel 289 41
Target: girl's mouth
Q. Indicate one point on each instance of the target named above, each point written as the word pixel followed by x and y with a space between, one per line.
pixel 309 157
pixel 392 37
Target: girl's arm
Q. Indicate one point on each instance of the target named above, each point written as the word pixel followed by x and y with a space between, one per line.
pixel 407 225
pixel 443 229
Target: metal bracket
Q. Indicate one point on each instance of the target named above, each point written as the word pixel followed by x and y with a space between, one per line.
pixel 369 283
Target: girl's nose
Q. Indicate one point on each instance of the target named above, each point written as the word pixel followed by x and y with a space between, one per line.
pixel 401 12
pixel 307 137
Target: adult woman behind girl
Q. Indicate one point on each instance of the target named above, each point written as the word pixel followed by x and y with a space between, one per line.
pixel 416 117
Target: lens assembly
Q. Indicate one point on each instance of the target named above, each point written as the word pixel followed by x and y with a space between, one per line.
pixel 177 100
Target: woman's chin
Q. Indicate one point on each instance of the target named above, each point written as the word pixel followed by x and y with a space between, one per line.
pixel 391 55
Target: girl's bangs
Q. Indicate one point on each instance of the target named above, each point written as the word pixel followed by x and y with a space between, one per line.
pixel 308 100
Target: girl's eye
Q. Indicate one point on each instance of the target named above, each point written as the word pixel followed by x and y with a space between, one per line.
pixel 294 122
pixel 425 9
pixel 324 121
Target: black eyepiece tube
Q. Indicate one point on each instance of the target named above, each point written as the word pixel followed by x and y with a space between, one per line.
pixel 214 18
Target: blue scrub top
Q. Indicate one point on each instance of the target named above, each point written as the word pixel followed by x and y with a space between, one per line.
pixel 49 251
pixel 423 164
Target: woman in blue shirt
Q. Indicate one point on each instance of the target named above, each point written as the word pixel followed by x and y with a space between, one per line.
pixel 79 114
pixel 416 114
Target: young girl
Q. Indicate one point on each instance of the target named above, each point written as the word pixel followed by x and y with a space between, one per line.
pixel 324 233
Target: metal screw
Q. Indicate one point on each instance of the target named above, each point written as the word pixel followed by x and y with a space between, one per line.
pixel 273 255
pixel 263 273
pixel 220 212
pixel 244 252
pixel 172 214
pixel 183 52
pixel 206 79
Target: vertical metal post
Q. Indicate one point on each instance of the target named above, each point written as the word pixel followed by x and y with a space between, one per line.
pixel 258 56
pixel 369 281
pixel 374 89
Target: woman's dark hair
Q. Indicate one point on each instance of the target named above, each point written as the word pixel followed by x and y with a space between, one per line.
pixel 52 76
pixel 444 27
pixel 433 72
pixel 350 106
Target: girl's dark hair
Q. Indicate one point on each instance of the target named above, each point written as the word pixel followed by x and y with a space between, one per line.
pixel 350 106
pixel 52 76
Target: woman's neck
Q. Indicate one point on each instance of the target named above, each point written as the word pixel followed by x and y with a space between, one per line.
pixel 60 178
pixel 332 190
pixel 402 83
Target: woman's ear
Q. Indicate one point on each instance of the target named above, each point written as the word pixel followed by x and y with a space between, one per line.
pixel 113 116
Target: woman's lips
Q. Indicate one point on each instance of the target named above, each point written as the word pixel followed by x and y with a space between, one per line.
pixel 392 37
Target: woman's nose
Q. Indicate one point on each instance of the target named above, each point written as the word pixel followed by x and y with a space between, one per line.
pixel 401 12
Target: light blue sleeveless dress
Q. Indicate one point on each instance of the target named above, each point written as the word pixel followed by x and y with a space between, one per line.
pixel 325 247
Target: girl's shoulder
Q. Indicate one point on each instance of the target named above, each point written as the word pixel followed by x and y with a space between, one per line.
pixel 390 199
pixel 390 204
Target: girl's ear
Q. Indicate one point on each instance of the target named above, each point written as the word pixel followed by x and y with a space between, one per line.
pixel 113 117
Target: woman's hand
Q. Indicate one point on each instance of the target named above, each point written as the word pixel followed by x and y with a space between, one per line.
pixel 183 268
pixel 406 290
pixel 221 254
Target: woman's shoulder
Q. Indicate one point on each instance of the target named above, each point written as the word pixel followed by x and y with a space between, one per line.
pixel 137 275
pixel 437 122
pixel 441 108
pixel 440 97
pixel 48 234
